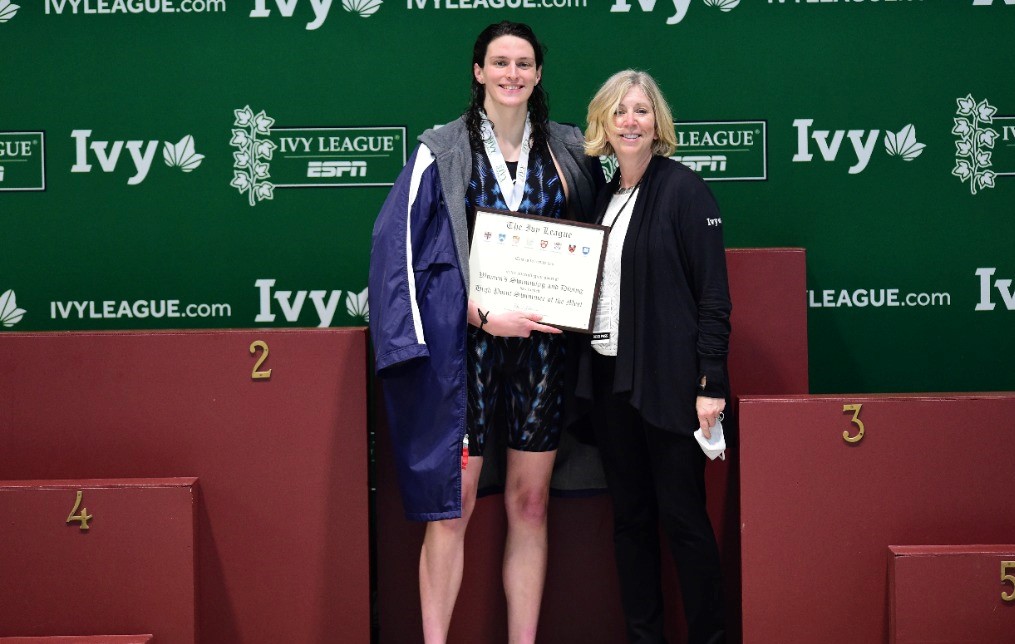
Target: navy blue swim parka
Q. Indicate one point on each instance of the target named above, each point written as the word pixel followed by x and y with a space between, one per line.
pixel 418 292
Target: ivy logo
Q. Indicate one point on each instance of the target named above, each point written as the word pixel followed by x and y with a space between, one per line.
pixel 286 8
pixel 723 5
pixel 113 154
pixel 7 10
pixel 356 305
pixel 292 303
pixel 679 7
pixel 181 155
pixel 830 143
pixel 903 144
pixel 250 171
pixel 10 314
pixel 975 144
pixel 362 8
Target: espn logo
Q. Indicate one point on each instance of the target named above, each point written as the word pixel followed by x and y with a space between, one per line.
pixel 332 169
pixel 699 162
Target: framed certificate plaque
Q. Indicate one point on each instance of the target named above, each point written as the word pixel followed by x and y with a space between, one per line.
pixel 528 263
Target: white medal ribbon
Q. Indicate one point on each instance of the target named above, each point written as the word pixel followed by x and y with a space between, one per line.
pixel 512 190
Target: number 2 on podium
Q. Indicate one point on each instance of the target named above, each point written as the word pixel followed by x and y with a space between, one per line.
pixel 258 373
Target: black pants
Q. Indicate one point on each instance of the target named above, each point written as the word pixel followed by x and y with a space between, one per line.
pixel 657 477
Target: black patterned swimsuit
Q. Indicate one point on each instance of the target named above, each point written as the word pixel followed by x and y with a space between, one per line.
pixel 516 384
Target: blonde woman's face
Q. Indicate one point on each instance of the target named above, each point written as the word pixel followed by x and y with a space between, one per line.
pixel 633 129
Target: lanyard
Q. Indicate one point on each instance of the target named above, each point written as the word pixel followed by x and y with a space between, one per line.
pixel 511 189
pixel 626 201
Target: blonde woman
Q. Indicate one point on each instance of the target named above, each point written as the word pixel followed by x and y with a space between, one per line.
pixel 657 368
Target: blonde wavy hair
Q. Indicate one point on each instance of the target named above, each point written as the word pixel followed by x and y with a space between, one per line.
pixel 604 106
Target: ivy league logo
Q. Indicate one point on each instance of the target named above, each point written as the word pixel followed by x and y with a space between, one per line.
pixel 311 157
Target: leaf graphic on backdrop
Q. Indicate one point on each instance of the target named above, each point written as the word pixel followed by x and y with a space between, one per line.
pixel 10 314
pixel 985 111
pixel 362 8
pixel 253 148
pixel 962 170
pixel 725 5
pixel 182 154
pixel 986 137
pixel 357 306
pixel 7 10
pixel 241 181
pixel 240 139
pixel 904 143
pixel 263 122
pixel 966 104
pixel 264 149
pixel 265 191
pixel 244 116
pixel 985 179
pixel 972 147
pixel 962 127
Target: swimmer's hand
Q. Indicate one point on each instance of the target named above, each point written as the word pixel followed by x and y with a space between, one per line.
pixel 514 324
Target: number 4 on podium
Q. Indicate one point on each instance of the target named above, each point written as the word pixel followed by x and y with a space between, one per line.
pixel 81 517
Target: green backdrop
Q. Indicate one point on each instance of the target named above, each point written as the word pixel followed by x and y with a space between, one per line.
pixel 878 135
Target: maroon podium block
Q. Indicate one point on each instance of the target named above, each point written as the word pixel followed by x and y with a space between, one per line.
pixel 963 593
pixel 581 601
pixel 819 512
pixel 99 556
pixel 283 521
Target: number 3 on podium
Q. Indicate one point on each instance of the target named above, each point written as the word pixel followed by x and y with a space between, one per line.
pixel 855 408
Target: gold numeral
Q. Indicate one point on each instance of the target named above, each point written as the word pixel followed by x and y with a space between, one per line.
pixel 1009 578
pixel 257 373
pixel 855 420
pixel 81 517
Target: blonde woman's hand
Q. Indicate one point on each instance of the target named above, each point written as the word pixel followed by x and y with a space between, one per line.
pixel 708 413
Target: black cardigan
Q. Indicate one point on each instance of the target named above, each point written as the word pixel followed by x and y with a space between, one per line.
pixel 674 300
